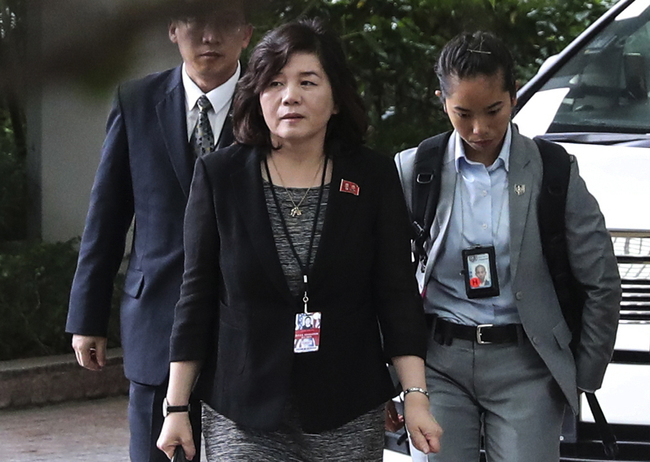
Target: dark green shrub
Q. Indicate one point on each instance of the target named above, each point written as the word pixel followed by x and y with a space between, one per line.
pixel 35 279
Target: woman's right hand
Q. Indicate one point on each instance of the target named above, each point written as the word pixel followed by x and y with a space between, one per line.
pixel 423 429
pixel 177 431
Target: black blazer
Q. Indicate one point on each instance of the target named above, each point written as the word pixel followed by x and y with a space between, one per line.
pixel 237 313
pixel 144 174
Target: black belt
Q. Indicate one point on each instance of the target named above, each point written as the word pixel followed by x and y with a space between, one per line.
pixel 484 334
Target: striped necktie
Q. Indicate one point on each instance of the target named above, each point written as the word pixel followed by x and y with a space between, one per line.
pixel 202 137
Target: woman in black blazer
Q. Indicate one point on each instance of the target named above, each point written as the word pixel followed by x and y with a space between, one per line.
pixel 298 285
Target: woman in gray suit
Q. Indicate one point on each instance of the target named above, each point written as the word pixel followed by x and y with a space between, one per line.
pixel 499 362
pixel 298 287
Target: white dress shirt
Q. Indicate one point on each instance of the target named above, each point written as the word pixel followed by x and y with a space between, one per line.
pixel 220 98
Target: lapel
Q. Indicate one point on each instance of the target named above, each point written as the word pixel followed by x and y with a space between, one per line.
pixel 226 137
pixel 520 188
pixel 341 208
pixel 246 181
pixel 173 126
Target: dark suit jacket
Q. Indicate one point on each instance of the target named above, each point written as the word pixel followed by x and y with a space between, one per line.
pixel 145 172
pixel 237 314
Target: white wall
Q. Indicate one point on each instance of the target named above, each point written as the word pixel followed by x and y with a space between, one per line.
pixel 66 119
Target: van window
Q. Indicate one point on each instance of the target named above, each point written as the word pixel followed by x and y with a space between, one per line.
pixel 604 87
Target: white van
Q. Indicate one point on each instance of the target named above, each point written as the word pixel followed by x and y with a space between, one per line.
pixel 594 99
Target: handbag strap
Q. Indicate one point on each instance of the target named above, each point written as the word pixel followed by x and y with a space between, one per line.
pixel 606 433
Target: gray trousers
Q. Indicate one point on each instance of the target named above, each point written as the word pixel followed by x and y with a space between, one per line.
pixel 504 392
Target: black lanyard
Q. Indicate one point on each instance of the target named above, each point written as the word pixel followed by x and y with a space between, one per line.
pixel 303 268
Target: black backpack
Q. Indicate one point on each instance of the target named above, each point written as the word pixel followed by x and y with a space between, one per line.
pixel 551 208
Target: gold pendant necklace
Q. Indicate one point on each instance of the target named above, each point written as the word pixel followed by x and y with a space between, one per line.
pixel 295 210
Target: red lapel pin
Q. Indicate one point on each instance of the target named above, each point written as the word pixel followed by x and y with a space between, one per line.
pixel 349 187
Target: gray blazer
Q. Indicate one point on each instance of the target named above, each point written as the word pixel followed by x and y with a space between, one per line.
pixel 590 254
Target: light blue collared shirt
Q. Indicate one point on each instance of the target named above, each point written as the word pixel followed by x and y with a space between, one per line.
pixel 480 216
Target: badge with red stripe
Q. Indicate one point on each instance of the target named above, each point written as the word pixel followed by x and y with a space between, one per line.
pixel 349 187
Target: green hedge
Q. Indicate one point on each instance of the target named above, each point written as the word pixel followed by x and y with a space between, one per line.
pixel 35 279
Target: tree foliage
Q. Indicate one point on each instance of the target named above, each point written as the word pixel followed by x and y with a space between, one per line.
pixel 13 187
pixel 393 45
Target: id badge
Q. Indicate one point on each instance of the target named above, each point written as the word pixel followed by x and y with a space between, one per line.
pixel 480 272
pixel 307 332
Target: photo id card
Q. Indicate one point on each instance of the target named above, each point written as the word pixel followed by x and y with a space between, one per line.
pixel 307 332
pixel 480 270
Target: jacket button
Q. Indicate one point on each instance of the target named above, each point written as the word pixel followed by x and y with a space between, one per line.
pixel 519 295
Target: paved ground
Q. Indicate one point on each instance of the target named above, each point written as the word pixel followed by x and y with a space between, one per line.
pixel 77 431
pixel 80 431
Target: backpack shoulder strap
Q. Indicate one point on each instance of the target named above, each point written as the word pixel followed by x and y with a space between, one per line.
pixel 426 188
pixel 552 226
pixel 556 164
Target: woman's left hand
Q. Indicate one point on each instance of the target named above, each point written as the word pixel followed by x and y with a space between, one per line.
pixel 423 429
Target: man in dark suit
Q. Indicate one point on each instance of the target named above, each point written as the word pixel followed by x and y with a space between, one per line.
pixel 156 128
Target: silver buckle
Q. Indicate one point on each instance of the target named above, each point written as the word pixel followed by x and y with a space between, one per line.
pixel 479 334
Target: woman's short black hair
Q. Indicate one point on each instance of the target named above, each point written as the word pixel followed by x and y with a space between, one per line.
pixel 268 58
pixel 469 55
